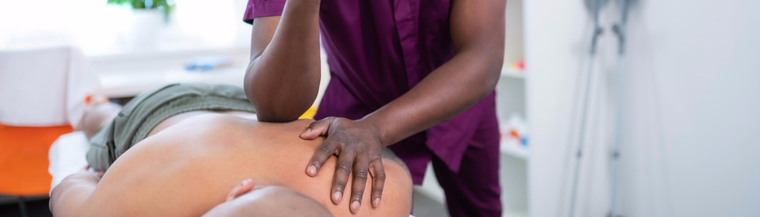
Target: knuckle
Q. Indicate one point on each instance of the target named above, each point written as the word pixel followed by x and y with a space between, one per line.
pixel 330 120
pixel 339 186
pixel 344 166
pixel 325 150
pixel 376 160
pixel 358 195
pixel 381 175
pixel 378 190
pixel 361 175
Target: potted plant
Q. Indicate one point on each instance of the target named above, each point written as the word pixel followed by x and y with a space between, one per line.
pixel 148 16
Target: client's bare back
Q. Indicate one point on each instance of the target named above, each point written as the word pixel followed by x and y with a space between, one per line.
pixel 192 160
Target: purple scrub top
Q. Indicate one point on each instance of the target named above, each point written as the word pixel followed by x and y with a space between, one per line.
pixel 379 49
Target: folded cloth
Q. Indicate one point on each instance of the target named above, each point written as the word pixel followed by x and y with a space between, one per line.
pixel 66 156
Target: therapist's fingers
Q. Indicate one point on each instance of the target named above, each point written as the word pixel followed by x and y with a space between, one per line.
pixel 377 171
pixel 317 128
pixel 360 180
pixel 328 147
pixel 340 178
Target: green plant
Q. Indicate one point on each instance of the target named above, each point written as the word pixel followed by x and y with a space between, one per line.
pixel 165 5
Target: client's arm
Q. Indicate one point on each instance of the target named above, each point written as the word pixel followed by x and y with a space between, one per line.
pixel 67 199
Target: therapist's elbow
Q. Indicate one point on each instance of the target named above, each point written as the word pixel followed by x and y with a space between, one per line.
pixel 275 115
pixel 278 108
pixel 492 66
pixel 279 101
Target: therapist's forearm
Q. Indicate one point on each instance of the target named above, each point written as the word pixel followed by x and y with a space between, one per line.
pixel 282 80
pixel 477 34
pixel 446 92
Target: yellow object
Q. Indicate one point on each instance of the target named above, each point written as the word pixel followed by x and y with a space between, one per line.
pixel 309 114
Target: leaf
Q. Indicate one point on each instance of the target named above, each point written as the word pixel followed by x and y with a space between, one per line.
pixel 140 4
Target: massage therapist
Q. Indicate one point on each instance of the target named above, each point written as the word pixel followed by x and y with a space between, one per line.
pixel 415 76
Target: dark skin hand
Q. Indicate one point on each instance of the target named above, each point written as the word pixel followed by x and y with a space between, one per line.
pixel 291 55
pixel 358 146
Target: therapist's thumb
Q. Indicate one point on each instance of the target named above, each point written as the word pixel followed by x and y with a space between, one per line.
pixel 317 129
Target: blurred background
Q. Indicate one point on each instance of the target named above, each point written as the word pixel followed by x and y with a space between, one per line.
pixel 607 107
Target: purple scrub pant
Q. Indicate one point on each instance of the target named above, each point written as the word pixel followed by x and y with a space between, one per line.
pixel 474 190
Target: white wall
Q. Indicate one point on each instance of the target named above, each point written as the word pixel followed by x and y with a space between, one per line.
pixel 554 36
pixel 691 112
pixel 101 29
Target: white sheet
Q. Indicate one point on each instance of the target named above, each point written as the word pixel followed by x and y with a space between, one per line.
pixel 67 156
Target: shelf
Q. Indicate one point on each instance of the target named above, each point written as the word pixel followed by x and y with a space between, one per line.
pixel 510 148
pixel 122 55
pixel 514 213
pixel 509 73
pixel 130 73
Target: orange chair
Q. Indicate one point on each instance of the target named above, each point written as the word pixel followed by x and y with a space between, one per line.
pixel 24 160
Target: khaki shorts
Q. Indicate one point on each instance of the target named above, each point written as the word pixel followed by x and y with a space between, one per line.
pixel 145 111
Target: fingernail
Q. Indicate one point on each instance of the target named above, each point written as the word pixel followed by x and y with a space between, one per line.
pixel 312 170
pixel 355 206
pixel 376 202
pixel 337 196
pixel 246 181
pixel 308 130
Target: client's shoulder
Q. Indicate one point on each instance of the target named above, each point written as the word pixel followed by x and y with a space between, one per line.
pixel 234 119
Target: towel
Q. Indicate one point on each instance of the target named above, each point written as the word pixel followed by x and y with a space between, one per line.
pixel 66 156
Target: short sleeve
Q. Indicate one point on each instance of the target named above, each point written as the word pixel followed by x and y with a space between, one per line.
pixel 262 8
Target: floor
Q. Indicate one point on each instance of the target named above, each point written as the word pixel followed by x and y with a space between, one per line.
pixel 423 207
pixel 35 208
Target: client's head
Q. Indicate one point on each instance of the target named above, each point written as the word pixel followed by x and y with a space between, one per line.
pixel 245 200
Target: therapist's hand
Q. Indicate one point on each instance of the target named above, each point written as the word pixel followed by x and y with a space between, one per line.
pixel 358 146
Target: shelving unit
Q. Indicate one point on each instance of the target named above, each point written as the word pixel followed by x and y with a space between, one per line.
pixel 510 100
pixel 509 73
pixel 513 150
